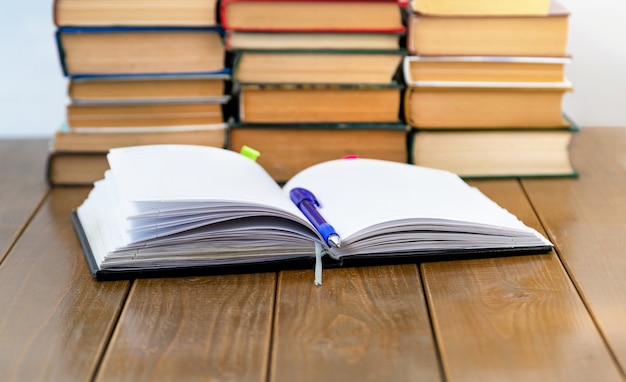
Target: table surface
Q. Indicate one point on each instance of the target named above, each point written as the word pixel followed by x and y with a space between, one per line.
pixel 557 316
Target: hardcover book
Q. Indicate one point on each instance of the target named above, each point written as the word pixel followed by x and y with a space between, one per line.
pixel 134 117
pixel 140 50
pixel 312 40
pixel 74 168
pixel 149 88
pixel 101 141
pixel 495 153
pixel 532 35
pixel 318 103
pixel 485 71
pixel 288 149
pixel 78 158
pixel 317 67
pixel 473 107
pixel 135 13
pixel 481 7
pixel 175 209
pixel 312 16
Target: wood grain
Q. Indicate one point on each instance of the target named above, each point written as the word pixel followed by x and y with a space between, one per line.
pixel 201 328
pixel 22 186
pixel 55 319
pixel 586 219
pixel 516 318
pixel 362 324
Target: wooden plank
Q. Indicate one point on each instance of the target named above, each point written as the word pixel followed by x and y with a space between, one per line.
pixel 55 319
pixel 22 186
pixel 586 219
pixel 200 328
pixel 516 318
pixel 362 324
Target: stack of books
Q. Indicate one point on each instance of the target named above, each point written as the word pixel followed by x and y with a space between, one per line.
pixel 485 81
pixel 316 80
pixel 304 82
pixel 139 72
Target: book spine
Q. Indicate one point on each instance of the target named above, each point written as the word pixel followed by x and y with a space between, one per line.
pixel 222 13
pixel 61 51
pixel 55 13
pixel 320 30
pixel 406 106
pixel 236 63
pixel 48 169
pixel 138 29
pixel 399 2
pixel 410 48
pixel 227 42
pixel 218 73
pixel 406 70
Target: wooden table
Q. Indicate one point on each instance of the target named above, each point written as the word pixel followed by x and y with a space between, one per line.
pixel 558 316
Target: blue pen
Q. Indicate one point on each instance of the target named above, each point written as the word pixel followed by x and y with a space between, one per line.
pixel 308 204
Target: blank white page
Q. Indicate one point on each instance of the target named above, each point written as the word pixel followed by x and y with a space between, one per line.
pixel 359 193
pixel 176 173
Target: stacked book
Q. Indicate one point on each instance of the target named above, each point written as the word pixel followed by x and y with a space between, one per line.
pixel 485 81
pixel 139 72
pixel 479 94
pixel 316 80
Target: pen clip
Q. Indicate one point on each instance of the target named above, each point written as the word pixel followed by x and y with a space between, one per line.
pixel 315 202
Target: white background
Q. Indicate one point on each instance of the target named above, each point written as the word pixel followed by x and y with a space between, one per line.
pixel 33 90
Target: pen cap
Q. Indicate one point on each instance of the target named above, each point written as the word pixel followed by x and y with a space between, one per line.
pixel 249 152
pixel 298 195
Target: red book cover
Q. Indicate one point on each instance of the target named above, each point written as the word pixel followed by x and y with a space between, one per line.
pixel 316 5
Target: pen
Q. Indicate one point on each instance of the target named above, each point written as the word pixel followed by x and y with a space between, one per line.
pixel 308 204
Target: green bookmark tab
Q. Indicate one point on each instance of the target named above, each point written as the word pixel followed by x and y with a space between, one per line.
pixel 249 152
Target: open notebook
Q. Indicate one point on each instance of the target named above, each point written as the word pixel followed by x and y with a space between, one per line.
pixel 170 209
